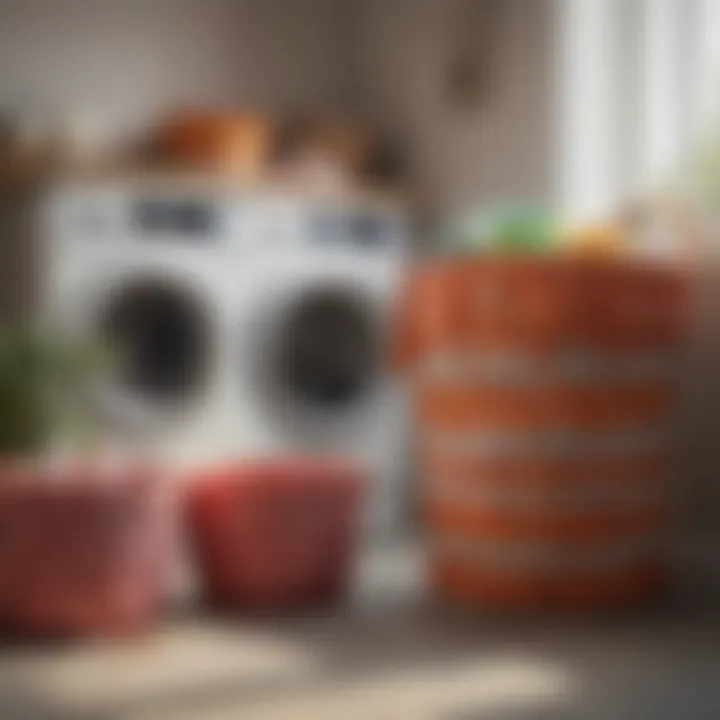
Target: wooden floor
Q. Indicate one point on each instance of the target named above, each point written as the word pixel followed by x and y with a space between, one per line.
pixel 391 653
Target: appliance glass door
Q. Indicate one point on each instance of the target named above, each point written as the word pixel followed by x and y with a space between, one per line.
pixel 323 361
pixel 159 340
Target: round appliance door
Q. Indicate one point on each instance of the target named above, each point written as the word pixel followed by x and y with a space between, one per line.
pixel 322 361
pixel 160 339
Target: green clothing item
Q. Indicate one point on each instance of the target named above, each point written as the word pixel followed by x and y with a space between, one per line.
pixel 511 229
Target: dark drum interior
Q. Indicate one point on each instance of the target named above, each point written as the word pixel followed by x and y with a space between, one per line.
pixel 328 348
pixel 160 334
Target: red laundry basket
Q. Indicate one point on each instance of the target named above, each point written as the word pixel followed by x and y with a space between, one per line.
pixel 276 533
pixel 80 556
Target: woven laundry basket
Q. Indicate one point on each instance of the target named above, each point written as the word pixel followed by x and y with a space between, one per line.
pixel 544 394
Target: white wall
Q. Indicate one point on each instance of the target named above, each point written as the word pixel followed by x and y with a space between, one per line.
pixel 500 148
pixel 125 60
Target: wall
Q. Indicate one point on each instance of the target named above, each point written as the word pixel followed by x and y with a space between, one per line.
pixel 498 149
pixel 125 61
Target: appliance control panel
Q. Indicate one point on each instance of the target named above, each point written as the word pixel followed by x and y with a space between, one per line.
pixel 190 219
pixel 262 222
pixel 362 229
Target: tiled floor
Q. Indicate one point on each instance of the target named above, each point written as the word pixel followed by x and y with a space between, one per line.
pixel 390 654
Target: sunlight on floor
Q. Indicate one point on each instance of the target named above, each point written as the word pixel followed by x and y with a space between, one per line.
pixel 193 662
pixel 497 685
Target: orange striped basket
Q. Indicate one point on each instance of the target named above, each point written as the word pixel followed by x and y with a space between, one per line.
pixel 544 391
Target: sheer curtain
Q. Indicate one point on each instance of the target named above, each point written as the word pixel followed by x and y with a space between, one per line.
pixel 639 83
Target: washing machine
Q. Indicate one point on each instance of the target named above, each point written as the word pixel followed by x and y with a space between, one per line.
pixel 241 323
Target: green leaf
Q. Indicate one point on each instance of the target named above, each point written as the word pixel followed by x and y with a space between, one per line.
pixel 44 382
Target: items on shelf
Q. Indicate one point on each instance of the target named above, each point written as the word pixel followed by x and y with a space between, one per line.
pixel 237 142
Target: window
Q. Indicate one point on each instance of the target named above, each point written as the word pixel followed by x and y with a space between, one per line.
pixel 639 83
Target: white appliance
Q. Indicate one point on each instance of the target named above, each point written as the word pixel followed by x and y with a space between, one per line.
pixel 245 323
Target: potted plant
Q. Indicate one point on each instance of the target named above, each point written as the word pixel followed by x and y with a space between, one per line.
pixel 80 543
